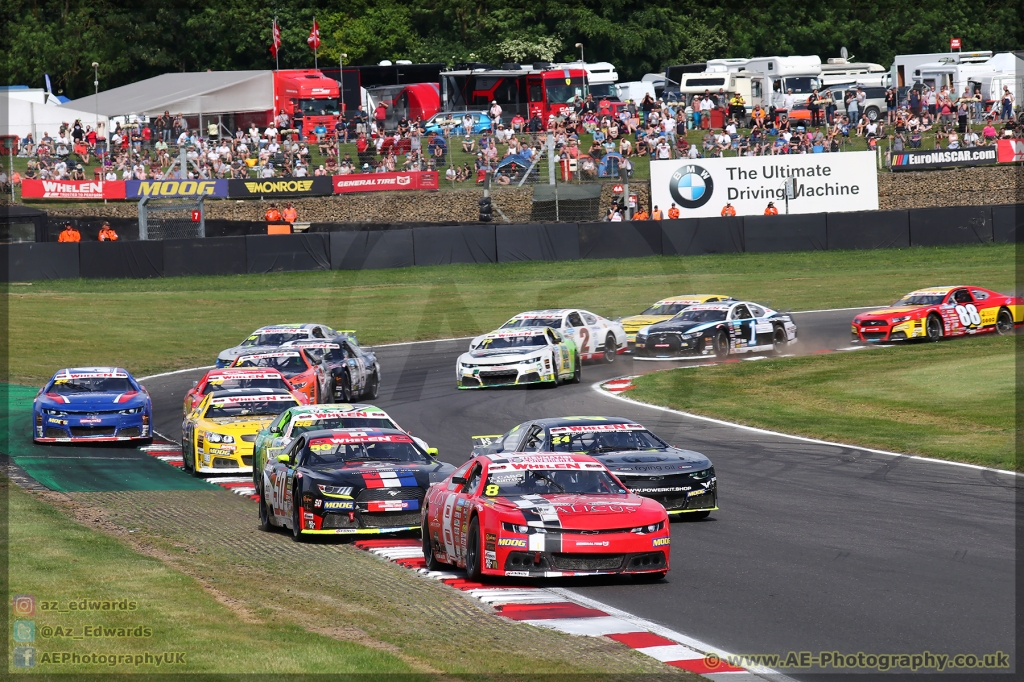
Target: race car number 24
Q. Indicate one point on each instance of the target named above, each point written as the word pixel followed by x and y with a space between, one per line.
pixel 969 316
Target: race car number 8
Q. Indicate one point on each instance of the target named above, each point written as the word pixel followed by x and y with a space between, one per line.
pixel 969 316
pixel 491 490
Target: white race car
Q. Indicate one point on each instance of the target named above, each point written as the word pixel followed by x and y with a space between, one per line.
pixel 596 338
pixel 510 357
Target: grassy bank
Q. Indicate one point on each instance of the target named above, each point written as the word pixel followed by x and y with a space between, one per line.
pixel 56 560
pixel 162 324
pixel 952 400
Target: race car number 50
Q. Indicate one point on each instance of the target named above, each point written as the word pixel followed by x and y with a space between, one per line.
pixel 969 316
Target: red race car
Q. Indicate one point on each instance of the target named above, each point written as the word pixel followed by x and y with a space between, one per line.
pixel 305 376
pixel 940 311
pixel 542 515
pixel 242 377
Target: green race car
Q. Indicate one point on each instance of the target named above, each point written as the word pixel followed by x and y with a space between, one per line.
pixel 511 357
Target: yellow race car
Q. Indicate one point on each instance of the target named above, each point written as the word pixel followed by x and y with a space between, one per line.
pixel 663 310
pixel 219 435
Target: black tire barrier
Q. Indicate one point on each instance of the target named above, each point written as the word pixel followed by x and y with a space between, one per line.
pixel 35 261
pixel 627 239
pixel 454 244
pixel 287 253
pixel 951 225
pixel 372 250
pixel 121 260
pixel 869 230
pixel 799 232
pixel 1007 223
pixel 552 241
pixel 210 256
pixel 699 236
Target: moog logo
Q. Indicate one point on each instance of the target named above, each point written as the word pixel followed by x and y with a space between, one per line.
pixel 176 188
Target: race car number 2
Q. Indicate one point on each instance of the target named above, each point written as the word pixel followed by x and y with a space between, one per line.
pixel 969 316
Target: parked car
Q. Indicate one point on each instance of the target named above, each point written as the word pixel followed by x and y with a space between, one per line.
pixel 453 120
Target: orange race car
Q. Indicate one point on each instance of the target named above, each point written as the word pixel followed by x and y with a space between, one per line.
pixel 305 376
pixel 242 377
pixel 938 312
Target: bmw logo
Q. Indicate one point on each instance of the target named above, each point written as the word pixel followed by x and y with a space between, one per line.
pixel 691 186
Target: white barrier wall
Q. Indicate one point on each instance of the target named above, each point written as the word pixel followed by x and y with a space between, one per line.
pixel 825 183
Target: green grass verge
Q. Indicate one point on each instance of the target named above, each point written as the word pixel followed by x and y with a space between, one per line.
pixel 56 560
pixel 952 400
pixel 162 324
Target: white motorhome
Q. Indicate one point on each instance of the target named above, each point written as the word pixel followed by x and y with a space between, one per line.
pixel 635 90
pixel 770 77
pixel 986 77
pixel 838 70
pixel 601 77
pixel 904 65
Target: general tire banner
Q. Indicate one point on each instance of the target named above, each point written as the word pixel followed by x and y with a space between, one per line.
pixel 382 182
pixel 1010 151
pixel 279 187
pixel 942 158
pixel 700 188
pixel 85 190
pixel 136 189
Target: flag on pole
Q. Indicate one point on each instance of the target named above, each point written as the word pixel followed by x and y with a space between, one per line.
pixel 49 90
pixel 275 44
pixel 314 36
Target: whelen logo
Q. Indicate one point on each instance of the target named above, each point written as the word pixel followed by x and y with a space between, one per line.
pixel 272 186
pixel 176 188
pixel 65 188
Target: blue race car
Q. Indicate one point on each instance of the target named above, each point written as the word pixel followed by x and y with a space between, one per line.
pixel 481 122
pixel 92 404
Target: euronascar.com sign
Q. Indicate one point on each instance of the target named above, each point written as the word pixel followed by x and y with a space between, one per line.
pixel 942 158
pixel 700 188
pixel 381 182
pixel 85 190
pixel 279 187
pixel 136 189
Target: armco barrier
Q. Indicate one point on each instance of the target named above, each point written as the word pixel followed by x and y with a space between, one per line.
pixel 118 260
pixel 620 240
pixel 454 244
pixel 698 236
pixel 35 261
pixel 799 232
pixel 1007 223
pixel 371 250
pixel 287 253
pixel 950 225
pixel 554 241
pixel 869 230
pixel 210 256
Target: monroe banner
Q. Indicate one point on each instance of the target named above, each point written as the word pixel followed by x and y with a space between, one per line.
pixel 700 188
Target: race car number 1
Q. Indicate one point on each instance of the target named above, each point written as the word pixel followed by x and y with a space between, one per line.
pixel 969 316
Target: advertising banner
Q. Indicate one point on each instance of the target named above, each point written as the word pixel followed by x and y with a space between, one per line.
pixel 1010 151
pixel 700 188
pixel 279 187
pixel 381 182
pixel 136 189
pixel 942 158
pixel 86 190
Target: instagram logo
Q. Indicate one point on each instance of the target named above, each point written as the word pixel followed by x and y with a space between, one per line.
pixel 24 605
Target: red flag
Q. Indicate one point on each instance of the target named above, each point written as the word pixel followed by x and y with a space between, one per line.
pixel 275 39
pixel 314 36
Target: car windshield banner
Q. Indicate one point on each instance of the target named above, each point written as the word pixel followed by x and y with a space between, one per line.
pixel 701 188
pixel 136 189
pixel 943 158
pixel 72 189
pixel 1010 151
pixel 382 182
pixel 279 187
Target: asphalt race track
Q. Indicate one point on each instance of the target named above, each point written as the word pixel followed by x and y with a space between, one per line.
pixel 815 548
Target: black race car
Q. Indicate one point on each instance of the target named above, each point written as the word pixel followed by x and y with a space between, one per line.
pixel 683 481
pixel 353 372
pixel 362 481
pixel 717 329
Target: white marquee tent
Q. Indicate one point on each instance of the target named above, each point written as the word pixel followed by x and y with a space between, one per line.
pixel 24 117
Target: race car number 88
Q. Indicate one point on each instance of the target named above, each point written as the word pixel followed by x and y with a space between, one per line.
pixel 969 316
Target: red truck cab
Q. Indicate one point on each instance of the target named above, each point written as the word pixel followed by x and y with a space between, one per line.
pixel 308 97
